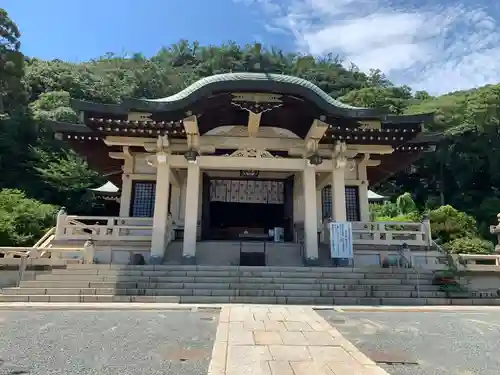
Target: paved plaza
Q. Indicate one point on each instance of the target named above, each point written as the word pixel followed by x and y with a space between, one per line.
pixel 246 339
pixel 437 343
pixel 106 342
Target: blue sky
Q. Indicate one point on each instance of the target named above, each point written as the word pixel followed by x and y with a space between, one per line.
pixel 431 45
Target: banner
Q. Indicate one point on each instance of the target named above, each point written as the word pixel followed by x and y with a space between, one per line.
pixel 341 240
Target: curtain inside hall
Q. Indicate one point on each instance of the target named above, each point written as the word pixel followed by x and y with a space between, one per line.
pixel 247 191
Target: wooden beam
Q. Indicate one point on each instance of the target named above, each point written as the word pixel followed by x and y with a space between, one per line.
pixel 317 130
pixel 247 163
pixel 313 137
pixel 253 123
pixel 295 146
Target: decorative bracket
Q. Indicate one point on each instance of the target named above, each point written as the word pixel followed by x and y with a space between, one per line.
pixel 252 153
pixel 161 149
pixel 162 144
pixel 256 102
pixel 339 155
pixel 139 116
pixel 192 132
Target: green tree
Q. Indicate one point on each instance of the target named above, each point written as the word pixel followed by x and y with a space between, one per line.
pixel 448 224
pixel 23 220
pixel 66 179
pixel 11 65
pixel 465 245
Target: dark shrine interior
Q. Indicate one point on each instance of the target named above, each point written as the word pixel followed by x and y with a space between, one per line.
pixel 229 219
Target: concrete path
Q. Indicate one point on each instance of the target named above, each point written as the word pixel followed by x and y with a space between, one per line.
pixel 429 343
pixel 187 339
pixel 283 341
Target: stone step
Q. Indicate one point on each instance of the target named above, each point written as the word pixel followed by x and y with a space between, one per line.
pixel 341 301
pixel 266 276
pixel 219 292
pixel 222 275
pixel 231 279
pixel 94 268
pixel 240 284
pixel 247 271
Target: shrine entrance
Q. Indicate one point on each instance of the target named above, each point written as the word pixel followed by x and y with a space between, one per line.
pixel 237 205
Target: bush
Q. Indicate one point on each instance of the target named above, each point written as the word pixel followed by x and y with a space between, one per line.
pixel 412 217
pixel 448 224
pixel 404 209
pixel 473 245
pixel 23 220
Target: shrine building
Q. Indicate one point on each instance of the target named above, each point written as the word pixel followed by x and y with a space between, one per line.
pixel 238 158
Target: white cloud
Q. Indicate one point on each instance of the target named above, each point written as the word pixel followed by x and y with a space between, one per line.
pixel 435 48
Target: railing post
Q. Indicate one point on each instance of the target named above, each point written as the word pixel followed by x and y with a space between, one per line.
pixel 61 222
pixel 426 223
pixel 89 251
pixel 22 269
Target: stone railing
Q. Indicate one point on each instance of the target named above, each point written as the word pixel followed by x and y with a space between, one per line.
pixel 14 255
pixel 478 262
pixel 102 228
pixel 391 233
pixel 46 239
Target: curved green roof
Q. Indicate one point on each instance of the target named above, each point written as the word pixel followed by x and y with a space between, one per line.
pixel 248 82
pixel 259 78
pixel 258 82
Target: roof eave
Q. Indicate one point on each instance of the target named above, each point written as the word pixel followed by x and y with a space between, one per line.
pixel 66 127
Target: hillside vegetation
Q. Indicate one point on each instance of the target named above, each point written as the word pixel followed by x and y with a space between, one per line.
pixel 464 173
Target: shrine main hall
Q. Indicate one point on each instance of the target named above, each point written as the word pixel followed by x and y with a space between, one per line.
pixel 238 157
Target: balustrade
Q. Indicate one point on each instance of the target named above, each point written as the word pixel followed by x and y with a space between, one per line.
pixel 102 228
pixel 390 233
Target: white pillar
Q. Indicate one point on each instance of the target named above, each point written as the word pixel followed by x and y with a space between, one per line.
pixel 126 191
pixel 126 196
pixel 191 215
pixel 160 218
pixel 61 223
pixel 310 217
pixel 364 206
pixel 338 193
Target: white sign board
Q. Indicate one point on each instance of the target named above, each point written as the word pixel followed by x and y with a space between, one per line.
pixel 341 240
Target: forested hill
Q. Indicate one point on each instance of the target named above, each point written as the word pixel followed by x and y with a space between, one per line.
pixel 464 172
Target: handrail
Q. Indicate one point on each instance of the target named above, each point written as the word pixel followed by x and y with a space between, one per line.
pixel 401 254
pixel 47 234
pixel 449 259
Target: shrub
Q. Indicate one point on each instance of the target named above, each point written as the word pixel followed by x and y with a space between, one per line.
pixel 23 220
pixel 466 245
pixel 448 224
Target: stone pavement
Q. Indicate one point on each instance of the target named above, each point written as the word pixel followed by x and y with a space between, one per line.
pixel 283 341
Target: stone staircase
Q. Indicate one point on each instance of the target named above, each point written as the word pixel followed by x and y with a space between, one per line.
pixel 223 253
pixel 229 284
